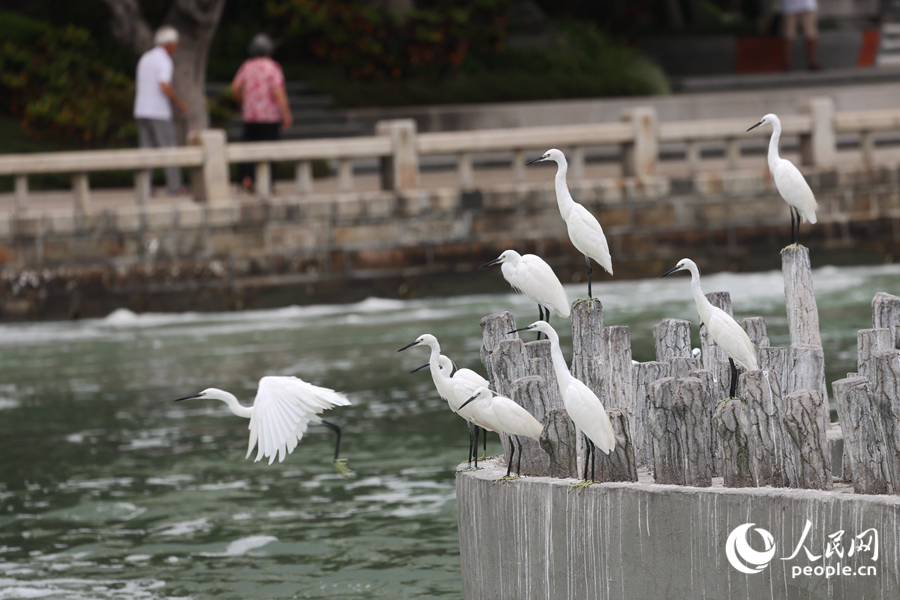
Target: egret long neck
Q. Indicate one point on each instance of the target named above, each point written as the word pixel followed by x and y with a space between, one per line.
pixel 704 306
pixel 236 407
pixel 560 369
pixel 563 197
pixel 773 145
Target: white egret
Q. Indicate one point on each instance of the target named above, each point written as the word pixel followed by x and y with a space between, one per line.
pixel 789 181
pixel 446 366
pixel 454 390
pixel 584 229
pixel 696 352
pixel 507 416
pixel 280 415
pixel 725 331
pixel 533 277
pixel 584 407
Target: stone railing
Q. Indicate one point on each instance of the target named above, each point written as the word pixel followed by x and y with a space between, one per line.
pixel 398 148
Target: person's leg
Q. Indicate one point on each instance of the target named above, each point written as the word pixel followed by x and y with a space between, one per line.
pixel 271 132
pixel 253 132
pixel 809 21
pixel 790 30
pixel 164 132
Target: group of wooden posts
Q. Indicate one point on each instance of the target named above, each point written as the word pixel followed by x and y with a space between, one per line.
pixel 668 414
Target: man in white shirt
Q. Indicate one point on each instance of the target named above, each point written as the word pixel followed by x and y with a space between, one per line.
pixel 802 13
pixel 154 96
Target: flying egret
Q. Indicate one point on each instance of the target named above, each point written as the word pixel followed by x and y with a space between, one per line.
pixel 281 412
pixel 725 331
pixel 454 390
pixel 505 415
pixel 584 229
pixel 445 366
pixel 534 278
pixel 789 181
pixel 583 406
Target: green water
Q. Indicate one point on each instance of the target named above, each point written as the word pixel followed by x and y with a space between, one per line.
pixel 109 490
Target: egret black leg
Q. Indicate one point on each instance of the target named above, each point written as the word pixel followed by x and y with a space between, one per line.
pixel 587 455
pixel 587 259
pixel 337 430
pixel 512 454
pixel 540 318
pixel 485 444
pixel 593 459
pixel 472 449
pixel 792 224
pixel 733 378
pixel 477 431
pixel 519 462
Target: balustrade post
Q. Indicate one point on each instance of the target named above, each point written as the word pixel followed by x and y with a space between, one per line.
pixel 400 171
pixel 818 148
pixel 209 182
pixel 639 156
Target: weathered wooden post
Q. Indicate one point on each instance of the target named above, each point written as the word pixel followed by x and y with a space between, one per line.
pixel 762 419
pixel 808 370
pixel 734 447
pixel 679 424
pixel 643 375
pixel 886 314
pixel 804 424
pixel 588 349
pixel 673 339
pixel 621 464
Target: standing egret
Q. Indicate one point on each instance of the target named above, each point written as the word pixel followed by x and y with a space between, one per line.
pixel 696 352
pixel 584 229
pixel 534 278
pixel 583 405
pixel 725 331
pixel 505 415
pixel 445 366
pixel 454 390
pixel 281 412
pixel 789 181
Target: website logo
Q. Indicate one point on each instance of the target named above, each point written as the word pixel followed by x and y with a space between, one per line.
pixel 743 557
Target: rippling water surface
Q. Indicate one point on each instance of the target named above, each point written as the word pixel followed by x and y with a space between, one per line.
pixel 108 490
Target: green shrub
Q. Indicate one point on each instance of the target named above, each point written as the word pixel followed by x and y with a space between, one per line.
pixel 53 83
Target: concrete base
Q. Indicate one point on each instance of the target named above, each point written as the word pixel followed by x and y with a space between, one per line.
pixel 533 538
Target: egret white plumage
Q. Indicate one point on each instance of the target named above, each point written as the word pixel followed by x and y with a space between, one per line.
pixel 283 409
pixel 725 331
pixel 445 367
pixel 533 277
pixel 584 407
pixel 454 390
pixel 505 415
pixel 789 182
pixel 696 353
pixel 584 229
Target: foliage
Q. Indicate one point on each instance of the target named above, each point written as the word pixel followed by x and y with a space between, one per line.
pixel 367 42
pixel 53 82
pixel 582 62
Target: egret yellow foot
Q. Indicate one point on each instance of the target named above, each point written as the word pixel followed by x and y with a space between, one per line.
pixel 794 245
pixel 340 465
pixel 507 478
pixel 725 400
pixel 469 469
pixel 580 485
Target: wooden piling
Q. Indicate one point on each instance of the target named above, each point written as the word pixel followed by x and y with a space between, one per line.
pixel 673 339
pixel 679 424
pixel 766 438
pixel 620 464
pixel 886 314
pixel 808 370
pixel 734 446
pixel 643 375
pixel 804 422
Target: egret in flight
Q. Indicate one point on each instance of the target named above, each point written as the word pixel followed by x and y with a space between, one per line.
pixel 584 229
pixel 507 416
pixel 455 390
pixel 725 331
pixel 584 407
pixel 533 277
pixel 281 412
pixel 789 181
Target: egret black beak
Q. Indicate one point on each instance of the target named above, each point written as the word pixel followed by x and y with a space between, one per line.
pixel 755 126
pixel 467 401
pixel 526 328
pixel 672 270
pixel 408 346
pixel 420 368
pixel 493 262
pixel 188 397
pixel 538 159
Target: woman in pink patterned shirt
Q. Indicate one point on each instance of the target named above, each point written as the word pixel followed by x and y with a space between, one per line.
pixel 259 87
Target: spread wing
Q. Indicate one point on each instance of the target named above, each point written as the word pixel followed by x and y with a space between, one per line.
pixel 283 408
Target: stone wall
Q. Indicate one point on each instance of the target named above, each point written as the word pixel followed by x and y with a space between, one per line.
pixel 341 247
